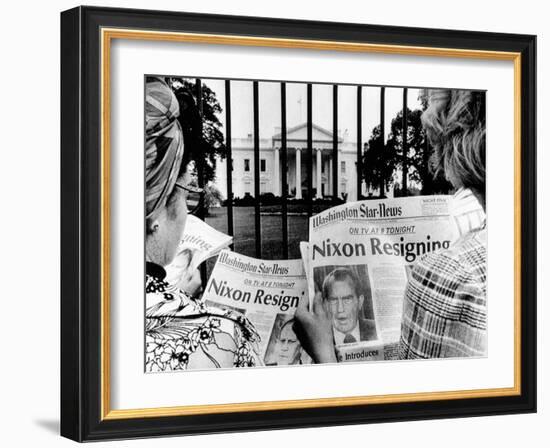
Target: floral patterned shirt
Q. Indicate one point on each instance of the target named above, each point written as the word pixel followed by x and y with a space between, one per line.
pixel 183 333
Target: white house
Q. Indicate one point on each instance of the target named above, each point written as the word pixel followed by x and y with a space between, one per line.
pixel 297 154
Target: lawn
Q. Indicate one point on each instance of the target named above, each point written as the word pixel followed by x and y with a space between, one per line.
pixel 271 231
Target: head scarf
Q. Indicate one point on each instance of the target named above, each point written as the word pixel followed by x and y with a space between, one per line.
pixel 163 144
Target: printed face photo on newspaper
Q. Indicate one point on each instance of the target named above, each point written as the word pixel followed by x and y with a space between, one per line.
pixel 343 305
pixel 290 223
pixel 344 301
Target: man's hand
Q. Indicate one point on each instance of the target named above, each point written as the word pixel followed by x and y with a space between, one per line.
pixel 314 330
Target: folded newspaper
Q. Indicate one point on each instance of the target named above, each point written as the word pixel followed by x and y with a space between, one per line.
pixel 198 243
pixel 358 259
pixel 267 292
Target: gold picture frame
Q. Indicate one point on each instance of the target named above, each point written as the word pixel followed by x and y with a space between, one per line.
pixel 105 26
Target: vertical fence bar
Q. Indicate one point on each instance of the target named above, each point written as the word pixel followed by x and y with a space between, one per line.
pixel 284 168
pixel 229 161
pixel 382 135
pixel 405 147
pixel 334 142
pixel 309 151
pixel 201 212
pixel 200 162
pixel 257 209
pixel 359 141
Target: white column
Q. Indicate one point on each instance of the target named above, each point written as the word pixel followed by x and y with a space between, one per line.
pixel 330 178
pixel 276 177
pixel 318 193
pixel 298 173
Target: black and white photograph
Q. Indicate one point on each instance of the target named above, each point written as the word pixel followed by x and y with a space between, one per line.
pixel 388 177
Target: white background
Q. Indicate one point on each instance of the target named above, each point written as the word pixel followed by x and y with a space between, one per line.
pixel 30 225
pixel 131 388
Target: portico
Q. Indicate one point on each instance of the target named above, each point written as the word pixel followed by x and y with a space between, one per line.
pixel 298 160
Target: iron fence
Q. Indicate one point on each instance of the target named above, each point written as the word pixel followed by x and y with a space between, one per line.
pixel 284 154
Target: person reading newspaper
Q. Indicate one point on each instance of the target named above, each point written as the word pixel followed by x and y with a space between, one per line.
pixel 445 304
pixel 180 332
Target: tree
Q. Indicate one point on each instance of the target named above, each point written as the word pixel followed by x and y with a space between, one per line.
pixel 414 159
pixel 378 160
pixel 202 130
pixel 382 162
pixel 213 197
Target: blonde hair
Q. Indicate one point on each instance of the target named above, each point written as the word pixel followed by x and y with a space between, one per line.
pixel 455 125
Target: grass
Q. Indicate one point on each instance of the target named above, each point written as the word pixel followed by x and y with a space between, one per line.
pixel 271 230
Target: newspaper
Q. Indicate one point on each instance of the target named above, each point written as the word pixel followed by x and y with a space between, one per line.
pixel 198 243
pixel 304 253
pixel 358 260
pixel 267 292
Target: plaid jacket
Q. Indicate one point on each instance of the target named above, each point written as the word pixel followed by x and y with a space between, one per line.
pixel 445 306
pixel 467 212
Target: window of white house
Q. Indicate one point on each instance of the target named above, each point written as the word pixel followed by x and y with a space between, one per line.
pixel 343 167
pixel 343 187
pixel 262 165
pixel 247 164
